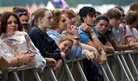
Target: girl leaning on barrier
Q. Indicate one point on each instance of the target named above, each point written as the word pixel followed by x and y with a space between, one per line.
pixel 19 44
pixel 65 44
pixel 49 50
pixel 73 21
pixel 60 25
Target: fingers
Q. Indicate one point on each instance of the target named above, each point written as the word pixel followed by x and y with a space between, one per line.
pixel 90 56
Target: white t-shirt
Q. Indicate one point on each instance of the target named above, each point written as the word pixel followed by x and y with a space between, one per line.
pixel 132 32
pixel 118 34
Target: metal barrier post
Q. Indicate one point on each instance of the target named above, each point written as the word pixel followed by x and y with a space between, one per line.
pixel 36 75
pixel 127 68
pixel 112 76
pixel 107 79
pixel 52 73
pixel 133 65
pixel 16 76
pixel 121 64
pixel 69 73
pixel 81 71
pixel 22 75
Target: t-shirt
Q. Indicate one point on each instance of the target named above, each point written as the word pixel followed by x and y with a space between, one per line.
pixel 118 34
pixel 55 35
pixel 85 37
pixel 132 32
pixel 103 39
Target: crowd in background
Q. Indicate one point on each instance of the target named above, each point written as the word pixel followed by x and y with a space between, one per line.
pixel 50 37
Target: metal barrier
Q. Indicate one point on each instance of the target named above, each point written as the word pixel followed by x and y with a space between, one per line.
pixel 127 69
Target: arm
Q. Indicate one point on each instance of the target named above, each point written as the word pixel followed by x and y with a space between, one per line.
pixel 109 47
pixel 47 48
pixel 19 60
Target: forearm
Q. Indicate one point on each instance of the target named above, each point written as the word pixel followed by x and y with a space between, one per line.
pixel 110 49
pixel 96 42
pixel 13 62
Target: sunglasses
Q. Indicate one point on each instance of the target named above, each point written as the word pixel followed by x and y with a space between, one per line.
pixel 23 13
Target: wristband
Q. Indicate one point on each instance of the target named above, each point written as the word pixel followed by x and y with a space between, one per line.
pixel 94 36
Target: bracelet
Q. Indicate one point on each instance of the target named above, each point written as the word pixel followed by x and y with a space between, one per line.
pixel 18 62
pixel 94 36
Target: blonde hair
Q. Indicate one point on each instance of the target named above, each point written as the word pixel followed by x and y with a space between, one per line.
pixel 114 13
pixel 131 17
pixel 38 13
pixel 56 17
pixel 64 38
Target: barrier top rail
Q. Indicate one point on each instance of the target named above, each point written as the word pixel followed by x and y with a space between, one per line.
pixel 77 59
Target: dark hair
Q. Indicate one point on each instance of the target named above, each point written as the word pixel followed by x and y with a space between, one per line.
pixel 86 11
pixel 4 17
pixel 101 18
pixel 133 6
pixel 120 8
pixel 98 13
pixel 18 9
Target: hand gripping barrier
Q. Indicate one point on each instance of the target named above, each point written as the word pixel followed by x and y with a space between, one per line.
pixel 120 66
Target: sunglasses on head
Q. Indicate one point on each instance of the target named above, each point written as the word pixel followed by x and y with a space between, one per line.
pixel 23 13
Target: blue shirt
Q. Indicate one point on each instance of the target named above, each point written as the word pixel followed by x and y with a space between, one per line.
pixel 55 35
pixel 85 37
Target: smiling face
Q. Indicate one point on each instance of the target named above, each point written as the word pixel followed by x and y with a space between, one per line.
pixel 12 25
pixel 65 46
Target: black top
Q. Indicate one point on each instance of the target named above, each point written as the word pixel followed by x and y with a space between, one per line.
pixel 45 44
pixel 103 39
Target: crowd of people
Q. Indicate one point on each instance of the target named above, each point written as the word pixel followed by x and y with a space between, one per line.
pixel 50 37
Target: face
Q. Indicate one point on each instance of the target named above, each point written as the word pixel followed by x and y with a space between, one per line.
pixel 102 26
pixel 89 20
pixel 115 22
pixel 71 20
pixel 12 25
pixel 63 23
pixel 24 18
pixel 47 20
pixel 65 46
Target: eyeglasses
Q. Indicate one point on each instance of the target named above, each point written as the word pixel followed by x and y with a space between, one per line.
pixel 23 13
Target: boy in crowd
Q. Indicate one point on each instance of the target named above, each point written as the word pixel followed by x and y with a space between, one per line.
pixel 102 23
pixel 115 32
pixel 87 31
pixel 134 7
